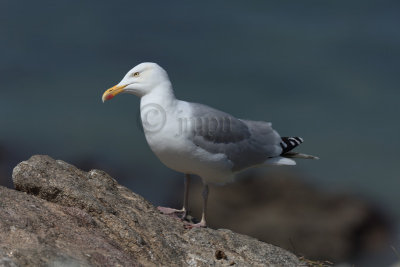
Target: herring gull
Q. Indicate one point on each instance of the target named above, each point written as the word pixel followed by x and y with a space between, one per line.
pixel 195 139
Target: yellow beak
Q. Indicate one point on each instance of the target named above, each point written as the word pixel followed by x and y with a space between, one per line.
pixel 113 91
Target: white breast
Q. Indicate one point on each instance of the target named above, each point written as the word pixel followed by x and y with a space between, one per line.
pixel 167 131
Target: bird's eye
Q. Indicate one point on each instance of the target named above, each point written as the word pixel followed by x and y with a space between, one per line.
pixel 136 74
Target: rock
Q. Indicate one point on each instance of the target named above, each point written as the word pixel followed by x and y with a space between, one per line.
pixel 34 232
pixel 285 211
pixel 70 217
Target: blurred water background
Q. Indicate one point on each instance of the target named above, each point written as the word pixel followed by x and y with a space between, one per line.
pixel 326 71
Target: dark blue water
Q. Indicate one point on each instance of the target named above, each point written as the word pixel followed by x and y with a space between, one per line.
pixel 328 72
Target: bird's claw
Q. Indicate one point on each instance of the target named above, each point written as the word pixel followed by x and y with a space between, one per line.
pixel 189 225
pixel 181 214
pixel 184 216
pixel 169 211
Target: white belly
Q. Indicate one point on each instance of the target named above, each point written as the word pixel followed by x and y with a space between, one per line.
pixel 171 143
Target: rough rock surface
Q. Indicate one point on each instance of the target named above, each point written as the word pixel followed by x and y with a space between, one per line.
pixel 71 217
pixel 283 210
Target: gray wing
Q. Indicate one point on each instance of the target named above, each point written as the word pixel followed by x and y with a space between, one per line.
pixel 245 143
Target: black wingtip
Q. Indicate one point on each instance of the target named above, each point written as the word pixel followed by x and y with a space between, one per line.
pixel 289 143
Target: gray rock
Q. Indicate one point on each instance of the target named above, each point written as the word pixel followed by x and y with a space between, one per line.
pixel 283 210
pixel 76 218
pixel 35 232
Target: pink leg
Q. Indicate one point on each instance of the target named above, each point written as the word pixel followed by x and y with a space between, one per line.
pixel 202 223
pixel 168 211
pixel 182 213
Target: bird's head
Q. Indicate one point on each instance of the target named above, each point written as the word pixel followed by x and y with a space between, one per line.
pixel 139 81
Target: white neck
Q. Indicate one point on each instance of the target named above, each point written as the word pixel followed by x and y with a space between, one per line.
pixel 162 95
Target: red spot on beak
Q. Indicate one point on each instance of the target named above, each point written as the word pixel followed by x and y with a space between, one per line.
pixel 110 96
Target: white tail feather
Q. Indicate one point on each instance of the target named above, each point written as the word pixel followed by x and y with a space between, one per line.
pixel 299 155
pixel 280 161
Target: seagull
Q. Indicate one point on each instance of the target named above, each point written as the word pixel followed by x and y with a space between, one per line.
pixel 196 139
